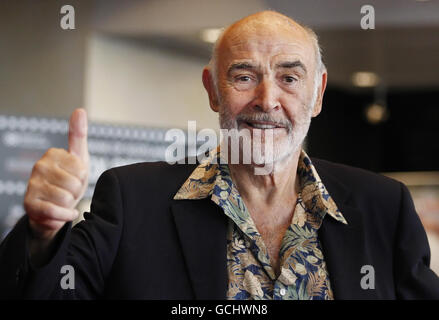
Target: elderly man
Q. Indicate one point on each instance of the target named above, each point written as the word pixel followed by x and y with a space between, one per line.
pixel 309 229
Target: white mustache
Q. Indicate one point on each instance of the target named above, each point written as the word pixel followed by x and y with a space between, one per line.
pixel 263 117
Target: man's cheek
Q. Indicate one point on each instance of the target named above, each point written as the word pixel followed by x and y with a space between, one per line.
pixel 234 106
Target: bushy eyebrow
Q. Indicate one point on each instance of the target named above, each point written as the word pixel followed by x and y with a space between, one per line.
pixel 291 65
pixel 279 65
pixel 241 66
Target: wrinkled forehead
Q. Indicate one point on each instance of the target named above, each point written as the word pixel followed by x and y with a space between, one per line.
pixel 265 40
pixel 267 47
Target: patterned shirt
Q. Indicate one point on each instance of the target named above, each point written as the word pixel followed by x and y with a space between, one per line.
pixel 303 275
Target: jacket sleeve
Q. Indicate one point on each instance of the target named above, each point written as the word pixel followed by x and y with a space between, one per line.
pixel 413 277
pixel 89 248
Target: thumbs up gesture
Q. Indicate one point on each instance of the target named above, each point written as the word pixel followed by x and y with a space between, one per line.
pixel 58 182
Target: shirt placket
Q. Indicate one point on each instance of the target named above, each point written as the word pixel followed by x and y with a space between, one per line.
pixel 249 231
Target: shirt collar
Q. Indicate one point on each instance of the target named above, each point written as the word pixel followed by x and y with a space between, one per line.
pixel 202 180
pixel 211 178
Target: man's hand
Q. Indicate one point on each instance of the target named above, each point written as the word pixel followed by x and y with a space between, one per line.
pixel 58 181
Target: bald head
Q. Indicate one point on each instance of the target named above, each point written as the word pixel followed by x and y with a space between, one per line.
pixel 265 23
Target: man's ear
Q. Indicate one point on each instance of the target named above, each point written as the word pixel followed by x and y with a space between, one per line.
pixel 318 104
pixel 210 88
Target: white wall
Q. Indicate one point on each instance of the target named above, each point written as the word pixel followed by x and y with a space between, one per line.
pixel 129 82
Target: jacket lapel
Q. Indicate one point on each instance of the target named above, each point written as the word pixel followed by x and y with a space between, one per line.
pixel 202 230
pixel 345 253
pixel 344 246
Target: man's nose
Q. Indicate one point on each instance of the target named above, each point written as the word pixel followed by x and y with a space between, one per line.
pixel 267 99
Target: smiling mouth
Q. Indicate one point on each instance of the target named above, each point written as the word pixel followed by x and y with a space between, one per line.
pixel 263 125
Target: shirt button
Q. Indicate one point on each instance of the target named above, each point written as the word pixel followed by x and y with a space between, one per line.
pixel 282 292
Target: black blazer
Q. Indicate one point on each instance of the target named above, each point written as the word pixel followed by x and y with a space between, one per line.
pixel 139 243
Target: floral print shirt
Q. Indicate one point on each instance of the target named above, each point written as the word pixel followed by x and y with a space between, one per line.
pixel 303 275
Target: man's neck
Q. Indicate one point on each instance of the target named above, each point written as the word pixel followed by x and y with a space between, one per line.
pixel 270 200
pixel 277 188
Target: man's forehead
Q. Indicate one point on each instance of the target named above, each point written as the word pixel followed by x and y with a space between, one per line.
pixel 266 20
pixel 263 38
pixel 265 46
pixel 265 23
pixel 255 49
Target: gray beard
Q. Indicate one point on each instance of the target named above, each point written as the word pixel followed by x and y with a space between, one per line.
pixel 281 151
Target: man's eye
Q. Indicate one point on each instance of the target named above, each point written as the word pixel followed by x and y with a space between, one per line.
pixel 289 79
pixel 244 78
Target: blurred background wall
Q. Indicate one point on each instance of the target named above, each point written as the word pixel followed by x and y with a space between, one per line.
pixel 135 66
pixel 128 81
pixel 42 67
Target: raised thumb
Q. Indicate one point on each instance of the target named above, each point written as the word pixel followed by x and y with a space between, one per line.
pixel 78 134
